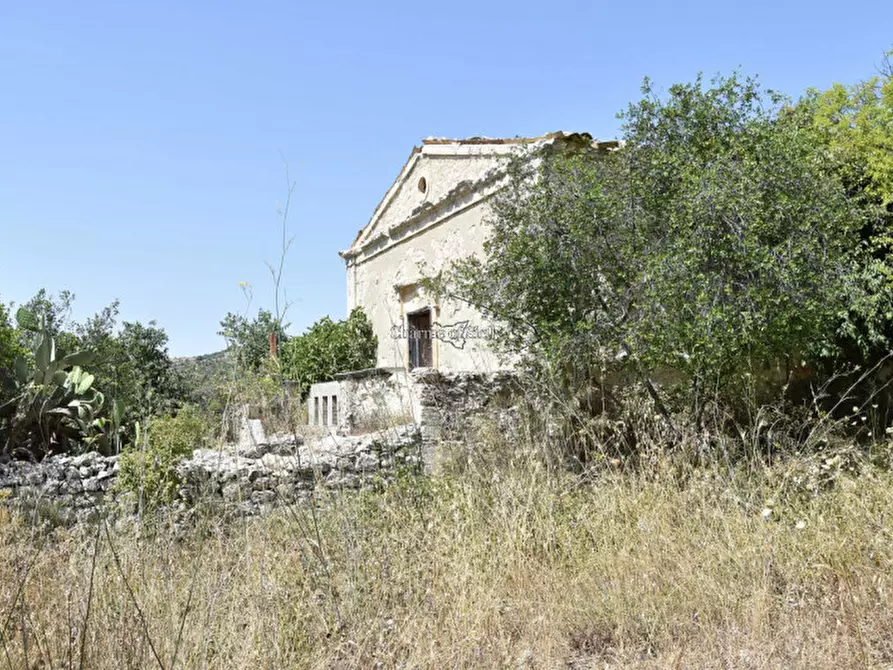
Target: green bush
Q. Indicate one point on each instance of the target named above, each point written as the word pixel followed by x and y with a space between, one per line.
pixel 10 349
pixel 9 344
pixel 327 348
pixel 715 242
pixel 153 471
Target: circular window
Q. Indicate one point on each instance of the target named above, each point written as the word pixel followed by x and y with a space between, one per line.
pixel 423 185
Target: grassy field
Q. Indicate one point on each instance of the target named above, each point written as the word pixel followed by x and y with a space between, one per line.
pixel 510 567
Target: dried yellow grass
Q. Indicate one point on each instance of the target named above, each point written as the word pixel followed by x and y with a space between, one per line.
pixel 510 568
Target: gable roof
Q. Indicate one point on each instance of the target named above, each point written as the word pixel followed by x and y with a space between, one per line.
pixel 472 146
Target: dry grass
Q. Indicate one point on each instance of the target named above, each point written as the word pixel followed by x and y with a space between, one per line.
pixel 513 568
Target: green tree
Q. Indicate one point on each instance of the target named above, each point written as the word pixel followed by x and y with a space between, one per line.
pixel 250 339
pixel 10 349
pixel 145 368
pixel 327 348
pixel 715 242
pixel 131 364
pixel 9 344
pixel 54 313
pixel 854 124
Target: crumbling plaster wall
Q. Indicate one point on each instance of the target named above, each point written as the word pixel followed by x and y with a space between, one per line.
pixel 442 170
pixel 442 406
pixel 366 401
pixel 417 232
pixel 383 287
pixel 378 400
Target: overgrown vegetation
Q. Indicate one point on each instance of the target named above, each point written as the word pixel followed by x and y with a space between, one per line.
pixel 10 349
pixel 149 469
pixel 117 376
pixel 329 347
pixel 705 316
pixel 530 568
pixel 713 259
pixel 52 406
pixel 855 126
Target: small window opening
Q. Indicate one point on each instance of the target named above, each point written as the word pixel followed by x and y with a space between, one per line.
pixel 325 410
pixel 423 185
pixel 316 410
pixel 334 410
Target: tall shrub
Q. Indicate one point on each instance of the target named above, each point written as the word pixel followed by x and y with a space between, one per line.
pixel 327 348
pixel 854 124
pixel 714 243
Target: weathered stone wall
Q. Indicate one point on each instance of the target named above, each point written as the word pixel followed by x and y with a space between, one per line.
pixel 278 473
pixel 268 471
pixel 322 410
pixel 366 401
pixel 451 403
pixel 441 404
pixel 67 487
pixel 250 480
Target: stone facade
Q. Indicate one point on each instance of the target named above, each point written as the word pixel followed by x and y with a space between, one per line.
pixel 450 404
pixel 435 213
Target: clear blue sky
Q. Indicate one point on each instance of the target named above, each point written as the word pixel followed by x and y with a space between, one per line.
pixel 140 141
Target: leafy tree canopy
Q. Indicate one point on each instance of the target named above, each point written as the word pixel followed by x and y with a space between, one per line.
pixel 53 314
pixel 130 364
pixel 10 349
pixel 9 344
pixel 250 339
pixel 854 124
pixel 327 348
pixel 715 241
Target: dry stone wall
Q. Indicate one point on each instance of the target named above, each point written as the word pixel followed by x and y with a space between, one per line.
pixel 265 471
pixel 451 403
pixel 66 488
pixel 250 479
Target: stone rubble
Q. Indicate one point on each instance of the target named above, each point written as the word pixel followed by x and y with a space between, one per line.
pixel 252 478
pixel 260 471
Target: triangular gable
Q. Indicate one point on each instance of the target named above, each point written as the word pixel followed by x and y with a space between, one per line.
pixel 445 166
pixel 364 232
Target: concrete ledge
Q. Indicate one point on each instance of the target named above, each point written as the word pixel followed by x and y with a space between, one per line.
pixel 366 372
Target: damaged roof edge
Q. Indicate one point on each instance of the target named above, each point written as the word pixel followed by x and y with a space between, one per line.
pixel 560 134
pixel 584 138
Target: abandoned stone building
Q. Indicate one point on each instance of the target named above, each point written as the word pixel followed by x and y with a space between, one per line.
pixel 436 212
